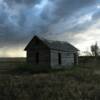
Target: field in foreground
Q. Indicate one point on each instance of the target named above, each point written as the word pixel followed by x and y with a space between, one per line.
pixel 77 83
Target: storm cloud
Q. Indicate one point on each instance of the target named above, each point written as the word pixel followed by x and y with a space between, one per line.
pixel 21 19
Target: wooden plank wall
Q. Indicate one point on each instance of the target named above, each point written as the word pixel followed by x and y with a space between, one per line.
pixel 67 58
pixel 44 57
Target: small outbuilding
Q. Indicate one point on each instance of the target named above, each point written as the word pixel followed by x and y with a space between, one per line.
pixel 51 54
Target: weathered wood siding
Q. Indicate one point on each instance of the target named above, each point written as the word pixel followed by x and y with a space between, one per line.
pixel 67 59
pixel 44 54
pixel 43 57
pixel 52 54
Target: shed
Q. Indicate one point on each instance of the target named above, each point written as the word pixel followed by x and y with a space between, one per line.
pixel 50 53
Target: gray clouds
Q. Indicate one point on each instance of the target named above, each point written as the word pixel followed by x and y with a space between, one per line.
pixel 27 2
pixel 21 19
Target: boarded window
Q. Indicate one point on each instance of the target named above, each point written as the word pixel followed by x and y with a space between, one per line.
pixel 59 58
pixel 37 58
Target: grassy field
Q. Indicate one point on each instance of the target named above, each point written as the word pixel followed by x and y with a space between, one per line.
pixel 78 83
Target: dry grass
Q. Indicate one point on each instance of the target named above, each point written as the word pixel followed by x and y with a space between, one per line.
pixel 77 83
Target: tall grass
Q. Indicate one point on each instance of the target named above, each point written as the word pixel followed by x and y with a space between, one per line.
pixel 77 83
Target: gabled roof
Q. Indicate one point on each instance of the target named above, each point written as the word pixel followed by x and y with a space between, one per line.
pixel 56 45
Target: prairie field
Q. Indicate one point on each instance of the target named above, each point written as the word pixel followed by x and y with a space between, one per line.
pixel 81 82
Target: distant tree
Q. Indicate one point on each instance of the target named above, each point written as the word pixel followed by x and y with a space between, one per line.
pixel 95 50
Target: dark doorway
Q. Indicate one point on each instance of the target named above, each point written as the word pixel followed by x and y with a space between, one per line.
pixel 75 59
pixel 59 58
pixel 37 58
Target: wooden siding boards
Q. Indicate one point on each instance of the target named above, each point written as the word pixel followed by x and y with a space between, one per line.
pixel 42 49
pixel 48 53
pixel 67 59
pixel 43 57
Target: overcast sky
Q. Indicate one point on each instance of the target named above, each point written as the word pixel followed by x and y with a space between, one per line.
pixel 75 21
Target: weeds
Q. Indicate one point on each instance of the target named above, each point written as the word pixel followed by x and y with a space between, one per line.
pixel 76 83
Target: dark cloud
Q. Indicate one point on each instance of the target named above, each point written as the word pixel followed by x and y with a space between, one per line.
pixel 97 15
pixel 2 18
pixel 27 2
pixel 21 19
pixel 69 7
pixel 58 9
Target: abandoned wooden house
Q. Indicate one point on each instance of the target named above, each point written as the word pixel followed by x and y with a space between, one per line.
pixel 49 53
